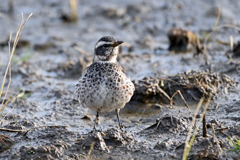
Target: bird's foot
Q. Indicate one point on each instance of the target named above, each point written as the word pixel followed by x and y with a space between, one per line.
pixel 121 127
pixel 95 130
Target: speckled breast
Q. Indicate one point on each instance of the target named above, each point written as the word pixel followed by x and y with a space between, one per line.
pixel 104 87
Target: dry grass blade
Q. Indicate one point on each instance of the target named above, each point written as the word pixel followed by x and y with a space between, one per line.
pixel 10 130
pixel 2 107
pixel 26 130
pixel 12 99
pixel 191 128
pixel 90 150
pixel 218 17
pixel 214 28
pixel 209 35
pixel 231 43
pixel 8 69
pixel 217 28
pixel 179 92
pixel 213 31
pixel 188 145
pixel 73 6
pixel 18 34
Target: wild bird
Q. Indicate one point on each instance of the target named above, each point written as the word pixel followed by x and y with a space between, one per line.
pixel 103 86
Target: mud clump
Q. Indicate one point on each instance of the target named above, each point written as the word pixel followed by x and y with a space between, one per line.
pixel 166 145
pixel 236 50
pixel 114 137
pixel 106 141
pixel 182 41
pixel 108 144
pixel 53 150
pixel 170 124
pixel 50 142
pixel 205 148
pixel 44 46
pixel 5 143
pixel 193 85
pixel 20 125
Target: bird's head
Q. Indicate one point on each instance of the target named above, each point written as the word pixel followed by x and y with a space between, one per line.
pixel 106 49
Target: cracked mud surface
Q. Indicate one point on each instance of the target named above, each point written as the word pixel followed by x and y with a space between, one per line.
pixel 48 121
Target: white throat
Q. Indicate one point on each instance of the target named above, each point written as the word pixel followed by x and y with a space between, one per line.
pixel 112 57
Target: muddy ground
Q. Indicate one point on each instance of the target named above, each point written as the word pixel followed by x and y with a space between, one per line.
pixel 49 123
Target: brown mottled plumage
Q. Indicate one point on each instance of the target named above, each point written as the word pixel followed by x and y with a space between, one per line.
pixel 103 86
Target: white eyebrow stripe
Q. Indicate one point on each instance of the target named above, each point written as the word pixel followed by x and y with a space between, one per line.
pixel 102 43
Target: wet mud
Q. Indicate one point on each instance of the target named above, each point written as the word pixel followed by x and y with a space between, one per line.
pixel 47 121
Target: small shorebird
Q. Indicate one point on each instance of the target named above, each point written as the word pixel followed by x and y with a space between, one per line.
pixel 103 86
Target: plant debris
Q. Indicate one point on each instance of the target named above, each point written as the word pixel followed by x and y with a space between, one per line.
pixel 193 85
pixel 182 41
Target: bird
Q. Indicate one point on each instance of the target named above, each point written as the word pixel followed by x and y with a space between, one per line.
pixel 103 86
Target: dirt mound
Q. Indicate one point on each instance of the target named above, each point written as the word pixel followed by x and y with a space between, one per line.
pixel 54 150
pixel 171 124
pixel 193 86
pixel 106 141
pixel 5 143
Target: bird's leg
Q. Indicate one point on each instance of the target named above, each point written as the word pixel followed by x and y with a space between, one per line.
pixel 117 112
pixel 94 128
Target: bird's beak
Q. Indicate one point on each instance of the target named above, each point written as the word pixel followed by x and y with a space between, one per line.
pixel 117 43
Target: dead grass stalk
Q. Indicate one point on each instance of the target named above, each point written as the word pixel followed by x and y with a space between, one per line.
pixel 8 69
pixel 188 144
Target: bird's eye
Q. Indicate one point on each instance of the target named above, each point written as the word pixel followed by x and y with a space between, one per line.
pixel 105 45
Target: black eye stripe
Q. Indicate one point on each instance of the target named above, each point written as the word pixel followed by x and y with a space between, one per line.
pixel 106 45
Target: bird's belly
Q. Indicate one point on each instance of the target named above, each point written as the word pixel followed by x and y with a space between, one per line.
pixel 104 87
pixel 94 99
pixel 105 99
